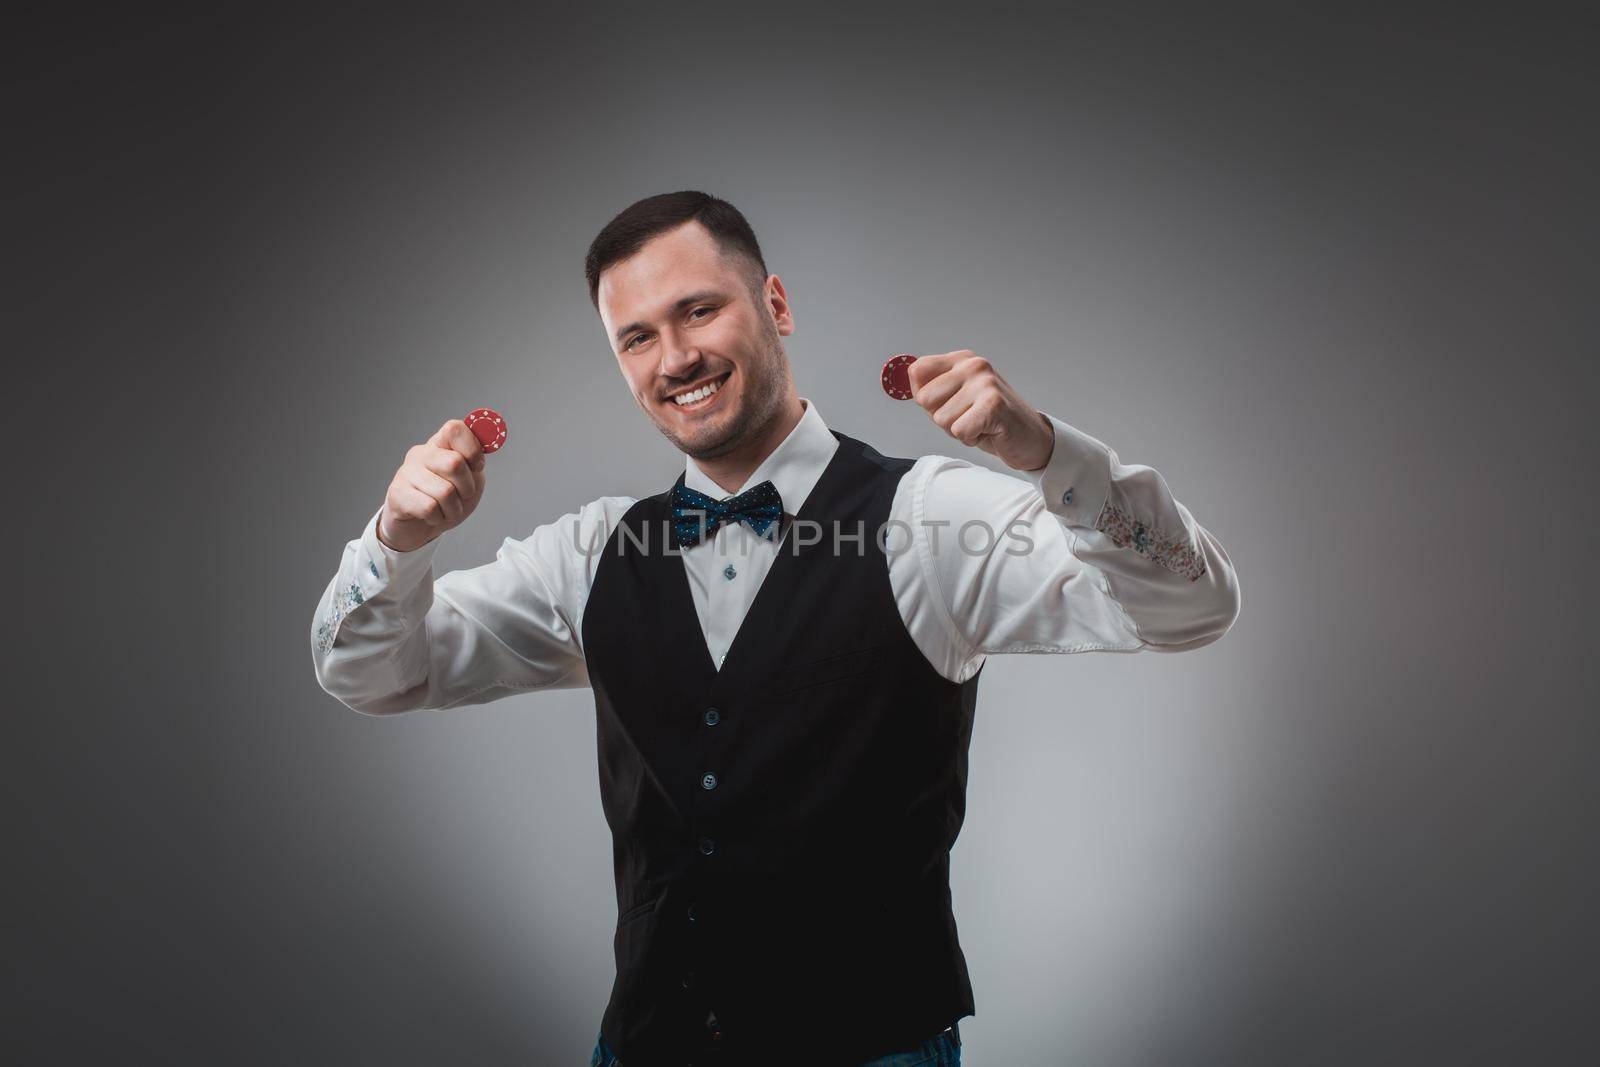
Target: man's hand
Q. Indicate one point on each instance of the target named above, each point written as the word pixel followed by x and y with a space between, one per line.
pixel 968 399
pixel 435 489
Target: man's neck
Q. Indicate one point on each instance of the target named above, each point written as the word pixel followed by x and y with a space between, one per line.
pixel 731 471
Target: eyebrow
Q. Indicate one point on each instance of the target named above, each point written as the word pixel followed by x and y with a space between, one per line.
pixel 677 305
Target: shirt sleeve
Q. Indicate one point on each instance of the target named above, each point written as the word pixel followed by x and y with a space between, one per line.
pixel 389 637
pixel 1086 554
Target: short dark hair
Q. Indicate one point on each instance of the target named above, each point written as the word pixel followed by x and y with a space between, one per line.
pixel 644 219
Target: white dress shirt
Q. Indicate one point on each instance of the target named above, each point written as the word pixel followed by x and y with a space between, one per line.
pixel 1086 554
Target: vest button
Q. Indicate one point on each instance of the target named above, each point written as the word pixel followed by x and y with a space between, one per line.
pixel 708 781
pixel 713 716
pixel 690 912
pixel 688 979
pixel 707 846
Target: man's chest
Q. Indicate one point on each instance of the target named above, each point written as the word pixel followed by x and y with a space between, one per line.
pixel 725 575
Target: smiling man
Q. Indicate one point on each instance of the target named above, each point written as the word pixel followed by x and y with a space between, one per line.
pixel 784 649
pixel 698 343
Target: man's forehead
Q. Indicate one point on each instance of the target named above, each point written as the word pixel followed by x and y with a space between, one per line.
pixel 649 294
pixel 655 279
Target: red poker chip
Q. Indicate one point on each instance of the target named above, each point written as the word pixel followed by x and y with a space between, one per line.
pixel 896 377
pixel 488 427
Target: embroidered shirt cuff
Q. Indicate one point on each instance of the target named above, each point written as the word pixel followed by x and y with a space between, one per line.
pixel 377 568
pixel 383 568
pixel 1077 481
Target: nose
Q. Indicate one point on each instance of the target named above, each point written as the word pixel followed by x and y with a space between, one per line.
pixel 678 361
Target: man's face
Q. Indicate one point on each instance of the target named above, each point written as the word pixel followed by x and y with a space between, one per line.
pixel 680 317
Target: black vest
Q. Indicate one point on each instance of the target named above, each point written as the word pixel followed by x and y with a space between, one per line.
pixel 782 827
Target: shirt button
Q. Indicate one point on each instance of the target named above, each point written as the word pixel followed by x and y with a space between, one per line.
pixel 729 573
pixel 707 846
pixel 713 716
pixel 1066 498
pixel 708 781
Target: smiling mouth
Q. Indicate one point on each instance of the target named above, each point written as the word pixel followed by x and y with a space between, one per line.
pixel 701 395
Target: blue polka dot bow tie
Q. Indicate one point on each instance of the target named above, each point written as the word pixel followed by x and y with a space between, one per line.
pixel 696 516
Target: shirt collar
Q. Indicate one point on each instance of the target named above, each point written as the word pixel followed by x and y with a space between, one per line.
pixel 793 467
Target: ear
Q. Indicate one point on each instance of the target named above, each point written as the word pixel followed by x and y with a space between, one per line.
pixel 777 301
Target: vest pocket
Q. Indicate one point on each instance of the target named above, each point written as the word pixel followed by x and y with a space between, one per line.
pixel 833 668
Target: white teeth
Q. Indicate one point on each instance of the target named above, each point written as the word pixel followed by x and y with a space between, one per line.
pixel 698 394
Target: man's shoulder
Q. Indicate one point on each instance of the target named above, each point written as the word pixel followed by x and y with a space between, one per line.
pixel 590 524
pixel 927 466
pixel 871 457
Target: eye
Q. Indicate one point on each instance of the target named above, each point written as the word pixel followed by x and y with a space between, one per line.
pixel 640 336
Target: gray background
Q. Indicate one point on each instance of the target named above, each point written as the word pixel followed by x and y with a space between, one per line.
pixel 1332 275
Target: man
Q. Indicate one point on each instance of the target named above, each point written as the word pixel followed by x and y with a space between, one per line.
pixel 784 650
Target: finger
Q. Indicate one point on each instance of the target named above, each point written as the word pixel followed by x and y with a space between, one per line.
pixel 924 369
pixel 945 415
pixel 936 389
pixel 975 423
pixel 453 467
pixel 441 490
pixel 456 436
pixel 418 506
pixel 974 402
